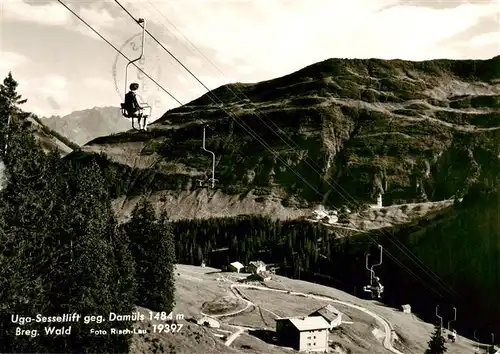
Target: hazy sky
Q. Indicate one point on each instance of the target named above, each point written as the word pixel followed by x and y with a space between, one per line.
pixel 63 66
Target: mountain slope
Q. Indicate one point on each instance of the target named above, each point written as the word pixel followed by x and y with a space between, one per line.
pixel 347 130
pixel 85 125
pixel 461 245
pixel 49 139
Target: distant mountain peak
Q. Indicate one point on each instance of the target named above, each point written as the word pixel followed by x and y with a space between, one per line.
pixel 87 124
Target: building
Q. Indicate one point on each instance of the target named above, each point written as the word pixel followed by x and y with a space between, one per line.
pixel 262 276
pixel 209 322
pixel 330 314
pixel 256 267
pixel 235 267
pixel 406 308
pixel 309 334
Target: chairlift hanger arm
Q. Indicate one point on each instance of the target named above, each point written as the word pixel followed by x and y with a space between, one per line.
pixel 118 51
pixel 213 159
pixel 143 22
pixel 380 262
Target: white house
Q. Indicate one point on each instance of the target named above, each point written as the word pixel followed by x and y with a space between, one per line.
pixel 209 322
pixel 304 333
pixel 406 308
pixel 330 314
pixel 256 267
pixel 235 267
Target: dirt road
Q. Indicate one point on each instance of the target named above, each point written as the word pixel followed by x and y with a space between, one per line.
pixel 239 329
pixel 387 328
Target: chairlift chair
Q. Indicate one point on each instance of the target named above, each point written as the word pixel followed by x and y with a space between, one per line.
pixel 206 183
pixel 140 114
pixel 374 290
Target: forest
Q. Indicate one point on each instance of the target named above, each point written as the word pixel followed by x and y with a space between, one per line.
pixel 451 258
pixel 62 250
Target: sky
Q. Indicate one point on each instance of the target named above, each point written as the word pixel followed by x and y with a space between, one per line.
pixel 62 65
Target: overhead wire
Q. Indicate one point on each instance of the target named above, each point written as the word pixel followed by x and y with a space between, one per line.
pixel 256 137
pixel 108 42
pixel 404 250
pixel 229 114
pixel 235 118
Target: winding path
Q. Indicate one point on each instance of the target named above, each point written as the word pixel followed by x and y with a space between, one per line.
pixel 387 327
pixel 240 329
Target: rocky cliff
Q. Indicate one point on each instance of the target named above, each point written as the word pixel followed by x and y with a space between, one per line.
pixel 337 132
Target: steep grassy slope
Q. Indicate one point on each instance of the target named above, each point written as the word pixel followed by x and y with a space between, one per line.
pixel 453 258
pixel 413 131
pixel 49 139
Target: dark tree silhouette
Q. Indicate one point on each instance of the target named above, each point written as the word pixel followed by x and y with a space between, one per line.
pixel 437 342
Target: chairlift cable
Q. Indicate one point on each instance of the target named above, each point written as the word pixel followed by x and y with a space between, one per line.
pixel 235 118
pixel 123 55
pixel 248 129
pixel 404 250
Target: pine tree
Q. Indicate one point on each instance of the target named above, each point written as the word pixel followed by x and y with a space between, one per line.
pixel 60 249
pixel 153 249
pixel 168 268
pixel 9 94
pixel 124 278
pixel 83 276
pixel 9 101
pixel 140 230
pixel 437 341
pixel 28 203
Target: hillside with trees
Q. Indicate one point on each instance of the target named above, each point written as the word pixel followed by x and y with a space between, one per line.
pixel 61 249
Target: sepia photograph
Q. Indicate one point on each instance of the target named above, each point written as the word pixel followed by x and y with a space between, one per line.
pixel 250 176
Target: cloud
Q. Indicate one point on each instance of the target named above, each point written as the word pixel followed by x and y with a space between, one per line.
pixel 47 14
pixel 486 38
pixel 54 87
pixel 98 83
pixel 54 14
pixel 100 19
pixel 436 4
pixel 277 37
pixel 11 61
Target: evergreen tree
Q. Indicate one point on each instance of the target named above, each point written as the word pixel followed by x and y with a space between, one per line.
pixel 124 278
pixel 9 97
pixel 125 267
pixel 153 249
pixel 60 249
pixel 140 230
pixel 83 276
pixel 28 204
pixel 9 101
pixel 437 341
pixel 166 270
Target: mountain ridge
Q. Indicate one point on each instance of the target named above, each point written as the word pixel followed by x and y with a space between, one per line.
pixel 85 125
pixel 413 131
